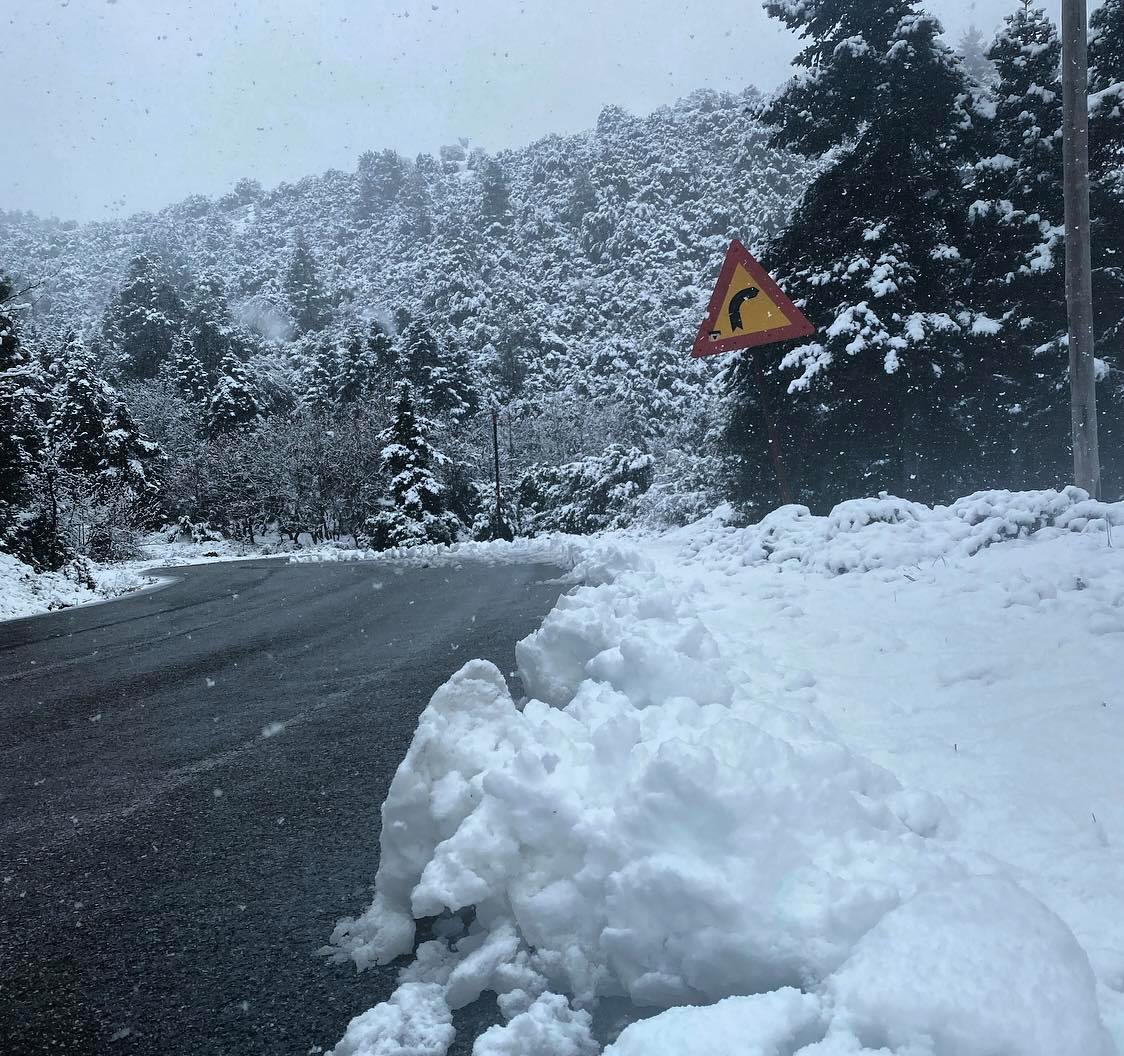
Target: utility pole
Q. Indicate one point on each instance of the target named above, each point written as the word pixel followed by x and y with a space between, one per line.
pixel 1078 254
pixel 500 531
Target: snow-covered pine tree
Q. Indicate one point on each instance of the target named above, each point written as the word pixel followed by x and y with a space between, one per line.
pixel 419 514
pixel 143 321
pixel 872 251
pixel 233 404
pixel 320 389
pixel 208 324
pixel 495 192
pixel 79 407
pixel 358 369
pixel 973 53
pixel 18 425
pixel 309 306
pixel 416 217
pixel 440 372
pixel 130 460
pixel 379 178
pixel 192 380
pixel 1014 393
pixel 1106 149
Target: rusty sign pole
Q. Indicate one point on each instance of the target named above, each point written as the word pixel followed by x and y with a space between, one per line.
pixel 772 432
pixel 1078 253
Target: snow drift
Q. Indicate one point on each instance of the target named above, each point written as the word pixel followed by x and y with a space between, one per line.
pixel 645 826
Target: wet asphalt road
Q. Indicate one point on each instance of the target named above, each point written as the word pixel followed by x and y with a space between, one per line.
pixel 166 871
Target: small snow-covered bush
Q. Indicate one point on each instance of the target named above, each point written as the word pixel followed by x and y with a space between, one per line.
pixel 887 532
pixel 597 492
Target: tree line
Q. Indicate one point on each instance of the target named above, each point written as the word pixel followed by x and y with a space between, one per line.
pixel 930 254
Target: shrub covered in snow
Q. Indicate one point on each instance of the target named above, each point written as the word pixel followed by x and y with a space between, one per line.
pixel 595 493
pixel 861 535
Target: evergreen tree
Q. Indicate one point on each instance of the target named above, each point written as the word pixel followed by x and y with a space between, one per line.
pixel 1106 148
pixel 308 304
pixel 208 324
pixel 79 409
pixel 419 514
pixel 130 459
pixel 359 367
pixel 142 323
pixel 872 251
pixel 379 179
pixel 440 371
pixel 17 421
pixel 583 195
pixel 416 199
pixel 973 53
pixel 1015 247
pixel 495 190
pixel 232 405
pixel 192 380
pixel 321 386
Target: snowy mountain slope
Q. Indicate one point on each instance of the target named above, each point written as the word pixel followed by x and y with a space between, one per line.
pixel 548 264
pixel 863 802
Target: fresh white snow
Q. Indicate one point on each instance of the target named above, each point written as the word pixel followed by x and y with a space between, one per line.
pixel 822 785
pixel 26 592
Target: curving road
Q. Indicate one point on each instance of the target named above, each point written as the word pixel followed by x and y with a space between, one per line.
pixel 189 791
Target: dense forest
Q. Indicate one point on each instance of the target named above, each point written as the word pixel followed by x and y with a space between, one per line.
pixel 323 360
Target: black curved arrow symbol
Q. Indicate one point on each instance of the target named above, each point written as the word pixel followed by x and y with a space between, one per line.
pixel 736 303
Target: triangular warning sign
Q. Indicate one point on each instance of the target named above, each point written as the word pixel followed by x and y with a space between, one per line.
pixel 747 309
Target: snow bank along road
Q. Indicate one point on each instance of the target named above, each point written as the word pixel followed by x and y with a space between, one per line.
pixel 189 784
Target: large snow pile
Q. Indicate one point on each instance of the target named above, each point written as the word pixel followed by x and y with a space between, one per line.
pixel 25 592
pixel 552 548
pixel 890 533
pixel 811 814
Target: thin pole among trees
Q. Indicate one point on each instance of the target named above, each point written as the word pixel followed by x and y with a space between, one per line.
pixel 1078 254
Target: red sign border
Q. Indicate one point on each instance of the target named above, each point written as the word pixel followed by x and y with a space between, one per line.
pixel 799 326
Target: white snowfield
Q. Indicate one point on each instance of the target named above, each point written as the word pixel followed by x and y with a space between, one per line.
pixel 821 786
pixel 25 592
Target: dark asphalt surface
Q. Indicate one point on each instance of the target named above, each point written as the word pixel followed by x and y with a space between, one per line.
pixel 166 871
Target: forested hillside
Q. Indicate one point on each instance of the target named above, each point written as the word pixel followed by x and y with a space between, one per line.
pixel 323 359
pixel 257 338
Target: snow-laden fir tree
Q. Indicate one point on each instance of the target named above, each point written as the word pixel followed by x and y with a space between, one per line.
pixel 192 380
pixel 972 46
pixel 360 363
pixel 79 407
pixel 142 323
pixel 308 304
pixel 18 426
pixel 419 514
pixel 130 460
pixel 208 324
pixel 1015 395
pixel 873 253
pixel 1106 150
pixel 322 377
pixel 233 403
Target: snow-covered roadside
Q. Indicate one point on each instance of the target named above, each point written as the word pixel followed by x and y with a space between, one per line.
pixel 806 812
pixel 25 592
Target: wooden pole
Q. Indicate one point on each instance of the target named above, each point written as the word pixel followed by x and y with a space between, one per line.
pixel 773 433
pixel 1078 254
pixel 496 453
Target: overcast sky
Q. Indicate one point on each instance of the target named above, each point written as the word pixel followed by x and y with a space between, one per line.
pixel 115 106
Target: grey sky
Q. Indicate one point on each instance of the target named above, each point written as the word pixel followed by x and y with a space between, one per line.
pixel 121 105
